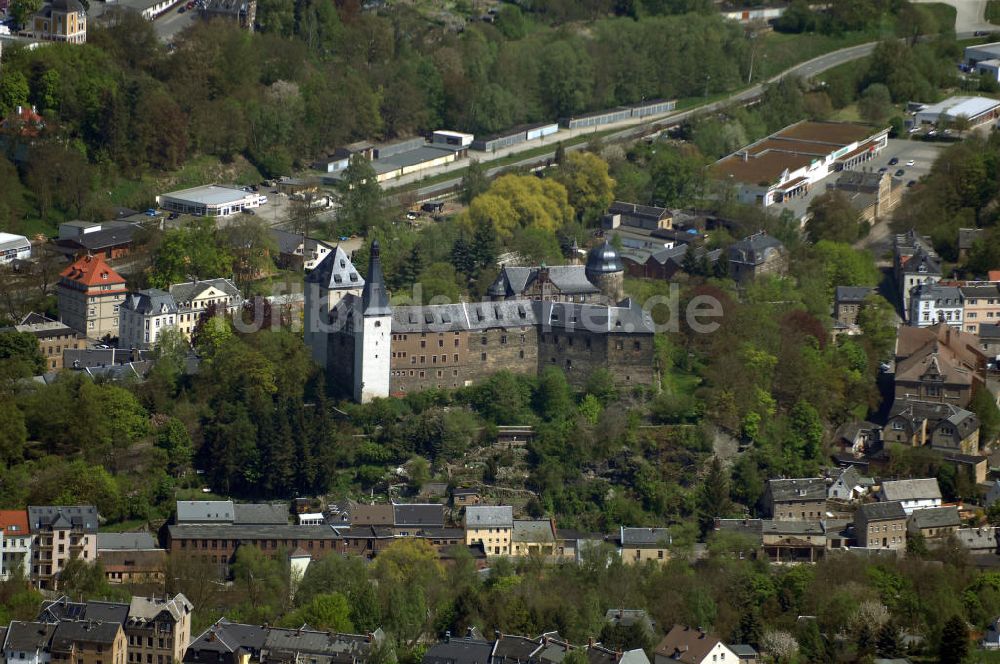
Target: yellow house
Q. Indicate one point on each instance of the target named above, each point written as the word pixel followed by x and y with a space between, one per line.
pixel 490 526
pixel 195 298
pixel 641 544
pixel 61 20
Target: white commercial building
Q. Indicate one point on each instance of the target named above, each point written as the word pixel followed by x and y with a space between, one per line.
pixel 981 52
pixel 932 303
pixel 210 201
pixel 977 110
pixel 455 138
pixel 14 247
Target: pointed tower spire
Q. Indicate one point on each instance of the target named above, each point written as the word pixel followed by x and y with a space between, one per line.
pixel 374 299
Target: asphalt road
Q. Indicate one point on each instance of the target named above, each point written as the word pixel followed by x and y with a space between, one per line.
pixel 170 23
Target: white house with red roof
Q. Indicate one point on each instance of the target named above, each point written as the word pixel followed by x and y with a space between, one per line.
pixel 90 294
pixel 15 542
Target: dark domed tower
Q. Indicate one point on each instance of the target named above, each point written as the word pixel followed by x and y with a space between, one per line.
pixel 606 271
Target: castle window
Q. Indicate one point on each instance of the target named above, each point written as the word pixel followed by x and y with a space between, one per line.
pixel 423 343
pixel 454 372
pixel 423 359
pixel 569 364
pixel 503 339
pixel 444 359
pixel 456 341
pixel 619 345
pixel 482 357
pixel 569 340
pixel 434 359
pixel 411 373
pixel 378 323
pixel 440 343
pixel 522 338
pixel 637 345
pixel 521 354
pixel 483 340
pixel 413 359
pixel 421 374
pixel 440 373
pixel 456 357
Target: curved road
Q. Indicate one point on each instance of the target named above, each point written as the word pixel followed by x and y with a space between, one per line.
pixel 805 69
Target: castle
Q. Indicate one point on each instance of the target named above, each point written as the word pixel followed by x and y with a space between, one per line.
pixel 573 317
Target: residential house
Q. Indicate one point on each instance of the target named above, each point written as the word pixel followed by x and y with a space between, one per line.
pixel 226 642
pixel 935 303
pixel 745 653
pixel 158 629
pixel 296 251
pixel 966 238
pixel 89 294
pixel 934 522
pixel 410 518
pixel 981 306
pixel 463 496
pixel 533 537
pixel 981 541
pixel 847 303
pixel 629 618
pixel 511 649
pixel 638 545
pixel 881 526
pixel 911 494
pixel 943 426
pixel 28 642
pixel 690 645
pixel 196 298
pixel 88 642
pixel 110 239
pixel 914 262
pixel 131 558
pixel 598 654
pixel 557 283
pixel 59 534
pixel 492 526
pixel 757 255
pixel 60 21
pixel 793 541
pixel 15 543
pixel 937 363
pixel 62 609
pixel 143 316
pixel 795 499
pixel 849 485
pixel 459 651
pixel 53 338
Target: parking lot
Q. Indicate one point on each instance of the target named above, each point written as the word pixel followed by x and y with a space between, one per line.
pixel 921 153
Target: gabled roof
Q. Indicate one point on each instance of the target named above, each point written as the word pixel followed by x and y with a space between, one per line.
pixel 486 516
pixel 63 609
pixel 686 644
pixel 936 517
pixel 184 292
pixel 91 271
pixel 29 636
pixel 754 249
pixel 510 649
pixel 459 651
pixel 290 243
pixel 152 301
pixel 70 632
pixel 14 523
pixel 569 279
pixel 852 294
pixel 797 489
pixel 260 514
pixel 882 511
pixel 645 537
pixel 336 271
pixel 125 542
pixel 373 515
pixel 533 530
pixel 62 516
pixel 145 609
pixel 414 514
pixel 919 489
pixel 205 511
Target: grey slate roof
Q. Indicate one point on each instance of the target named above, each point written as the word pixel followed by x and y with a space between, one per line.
pixel 989 331
pixel 150 301
pixel 459 651
pixel 980 291
pixel 754 249
pixel 512 649
pixel 112 234
pixel 919 489
pixel 936 517
pixel 882 511
pixel 374 298
pixel 853 294
pixel 645 537
pixel 628 617
pixel 185 291
pixel 28 636
pixel 288 242
pixel 145 609
pixel 797 489
pixel 532 530
pixel 336 271
pixel 94 610
pixel 205 511
pixel 429 515
pixel 636 210
pixel 777 527
pixel 233 531
pixel 69 632
pixel 922 263
pixel 570 279
pixel 985 540
pixel 259 514
pixel 946 295
pixel 62 516
pixel 125 541
pixel 486 516
pixel 967 236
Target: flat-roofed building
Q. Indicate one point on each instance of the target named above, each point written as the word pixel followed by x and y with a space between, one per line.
pixel 14 247
pixel 977 110
pixel 211 200
pixel 788 162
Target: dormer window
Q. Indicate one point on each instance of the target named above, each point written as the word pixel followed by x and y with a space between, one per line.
pixel 104 275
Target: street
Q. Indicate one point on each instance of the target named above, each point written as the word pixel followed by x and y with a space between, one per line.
pixel 170 23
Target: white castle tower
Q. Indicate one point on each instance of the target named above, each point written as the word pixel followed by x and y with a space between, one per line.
pixel 331 280
pixel 372 335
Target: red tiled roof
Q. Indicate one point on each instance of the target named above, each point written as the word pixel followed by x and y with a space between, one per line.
pixel 14 522
pixel 92 271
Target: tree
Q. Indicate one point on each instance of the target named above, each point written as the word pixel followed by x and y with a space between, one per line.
pixel 253 249
pixel 560 154
pixel 986 410
pixel 327 611
pixel 474 182
pixel 889 643
pixel 173 438
pixel 20 355
pixel 588 185
pixel 22 10
pixel 189 253
pixel 954 645
pixel 359 198
pixel 833 217
pixel 14 88
pixel 875 104
pixel 713 496
pixel 13 432
pixel 877 320
pixel 678 176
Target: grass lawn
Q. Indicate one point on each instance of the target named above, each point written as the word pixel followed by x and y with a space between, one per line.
pixel 847 114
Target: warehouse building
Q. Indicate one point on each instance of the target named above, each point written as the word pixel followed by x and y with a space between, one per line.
pixel 14 247
pixel 515 136
pixel 978 110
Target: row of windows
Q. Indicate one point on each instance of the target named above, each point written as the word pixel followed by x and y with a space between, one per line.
pixel 884 529
pixel 420 374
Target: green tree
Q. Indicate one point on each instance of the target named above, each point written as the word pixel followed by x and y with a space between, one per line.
pixel 588 184
pixel 327 611
pixel 833 217
pixel 877 321
pixel 713 496
pixel 14 88
pixel 188 253
pixel 474 182
pixel 13 432
pixel 253 249
pixel 954 644
pixel 986 410
pixel 889 643
pixel 20 355
pixel 173 438
pixel 875 104
pixel 359 197
pixel 677 176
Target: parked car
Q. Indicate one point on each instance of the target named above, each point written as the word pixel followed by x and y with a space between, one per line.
pixel 900 173
pixel 152 213
pixel 172 216
pixel 911 183
pixel 894 161
pixel 412 215
pixel 911 163
pixel 883 169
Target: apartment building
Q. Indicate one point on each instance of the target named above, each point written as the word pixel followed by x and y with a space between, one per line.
pixel 158 629
pixel 15 543
pixel 59 534
pixel 89 294
pixel 490 526
pixel 982 306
